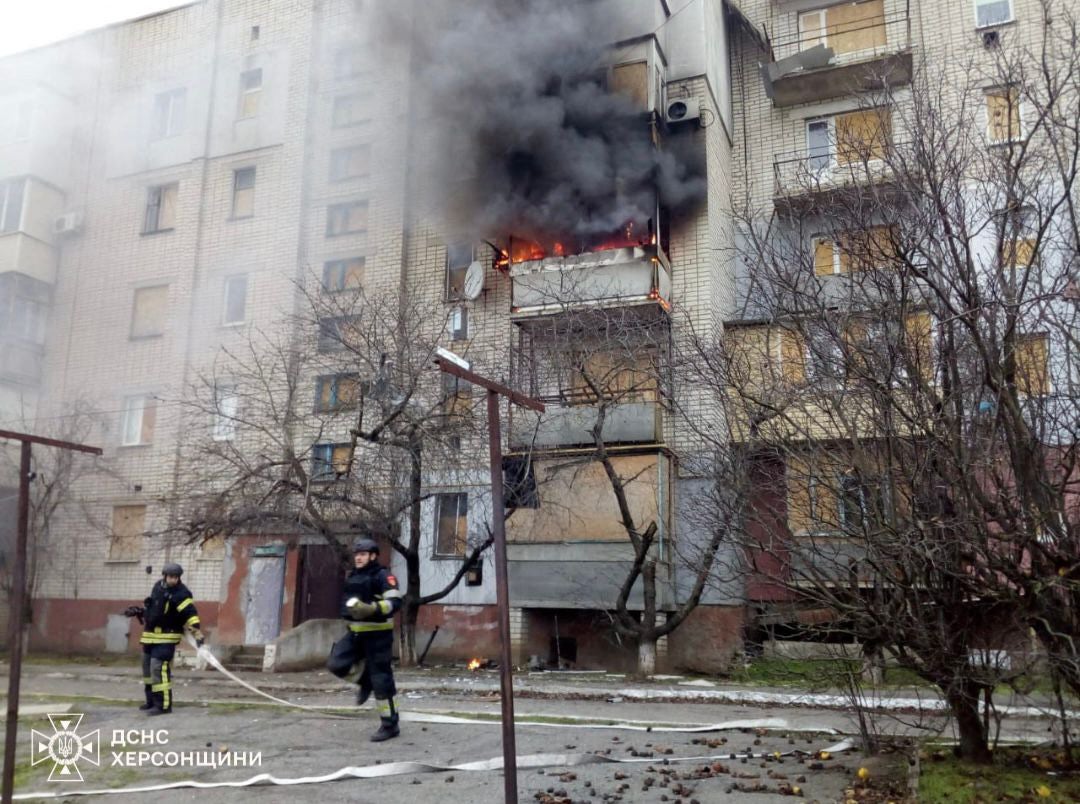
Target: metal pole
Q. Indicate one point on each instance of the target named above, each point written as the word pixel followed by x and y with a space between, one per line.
pixel 15 624
pixel 502 594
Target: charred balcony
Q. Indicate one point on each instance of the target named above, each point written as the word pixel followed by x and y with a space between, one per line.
pixel 840 50
pixel 623 272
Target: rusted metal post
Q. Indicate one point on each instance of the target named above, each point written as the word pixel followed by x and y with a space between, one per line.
pixel 16 613
pixel 502 589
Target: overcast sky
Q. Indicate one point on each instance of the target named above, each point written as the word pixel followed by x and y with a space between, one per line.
pixel 37 22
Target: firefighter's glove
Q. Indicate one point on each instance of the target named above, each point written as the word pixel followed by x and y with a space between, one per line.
pixel 359 610
pixel 134 611
pixel 200 640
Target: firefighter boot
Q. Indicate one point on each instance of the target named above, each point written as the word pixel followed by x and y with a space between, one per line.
pixel 159 705
pixel 388 727
pixel 149 699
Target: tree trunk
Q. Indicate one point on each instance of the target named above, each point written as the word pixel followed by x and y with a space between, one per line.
pixel 646 655
pixel 410 612
pixel 969 726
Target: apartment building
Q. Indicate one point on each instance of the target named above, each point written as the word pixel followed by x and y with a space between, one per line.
pixel 167 185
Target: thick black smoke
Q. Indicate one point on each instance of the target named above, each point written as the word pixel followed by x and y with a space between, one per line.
pixel 526 139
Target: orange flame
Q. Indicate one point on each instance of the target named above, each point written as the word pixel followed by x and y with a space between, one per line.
pixel 474 664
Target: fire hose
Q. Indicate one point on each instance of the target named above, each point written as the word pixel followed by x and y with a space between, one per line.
pixel 524 762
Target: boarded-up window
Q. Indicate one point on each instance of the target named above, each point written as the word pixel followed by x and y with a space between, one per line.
pixel 919 331
pixel 160 208
pixel 863 135
pixel 846 28
pixel 148 312
pixel 347 274
pixel 137 420
pixel 824 256
pixel 1032 377
pixel 451 524
pixel 812 499
pixel 128 529
pixel 243 205
pixel 632 80
pixel 330 461
pixel 349 163
pixel 1003 114
pixel 250 93
pixel 348 218
pixel 337 392
pixel 792 356
pixel 874 247
pixel 212 547
pixel 620 377
pixel 1019 238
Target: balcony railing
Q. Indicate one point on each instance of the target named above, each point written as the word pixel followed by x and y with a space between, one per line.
pixel 830 59
pixel 613 277
pixel 809 171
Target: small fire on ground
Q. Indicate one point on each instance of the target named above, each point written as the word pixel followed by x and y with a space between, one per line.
pixel 476 664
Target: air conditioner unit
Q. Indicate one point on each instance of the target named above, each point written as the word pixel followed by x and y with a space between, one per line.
pixel 681 110
pixel 68 223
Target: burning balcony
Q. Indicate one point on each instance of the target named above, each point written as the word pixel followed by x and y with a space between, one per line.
pixel 839 50
pixel 623 270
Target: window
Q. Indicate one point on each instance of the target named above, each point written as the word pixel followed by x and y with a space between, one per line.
pixel 226 408
pixel 336 333
pixel 992 12
pixel 243 204
pixel 459 324
pixel 457 394
pixel 1031 356
pixel 160 208
pixel 128 529
pixel 27 320
pixel 623 377
pixel 348 62
pixel 148 313
pixel 346 218
pixel 451 524
pixel 336 392
pixel 792 356
pixel 11 204
pixel 250 92
pixel 870 249
pixel 860 504
pixel 1019 238
pixel 347 274
pixel 849 138
pixel 519 481
pixel 846 27
pixel 235 302
pixel 349 110
pixel 459 257
pixel 1003 115
pixel 139 417
pixel 168 114
pixel 824 356
pixel 632 81
pixel 330 461
pixel 349 163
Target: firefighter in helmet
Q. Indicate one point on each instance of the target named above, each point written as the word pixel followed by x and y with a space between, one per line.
pixel 368 602
pixel 164 615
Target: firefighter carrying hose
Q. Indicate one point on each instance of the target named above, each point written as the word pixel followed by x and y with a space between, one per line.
pixel 368 602
pixel 164 615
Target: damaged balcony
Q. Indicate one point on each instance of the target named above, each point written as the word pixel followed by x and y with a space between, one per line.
pixel 566 544
pixel 614 277
pixel 839 50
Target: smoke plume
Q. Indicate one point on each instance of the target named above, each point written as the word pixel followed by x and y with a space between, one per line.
pixel 526 139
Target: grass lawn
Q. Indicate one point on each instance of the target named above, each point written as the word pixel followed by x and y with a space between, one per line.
pixel 816 674
pixel 1014 776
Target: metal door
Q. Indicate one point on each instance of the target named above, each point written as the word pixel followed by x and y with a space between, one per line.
pixel 265 588
pixel 322 577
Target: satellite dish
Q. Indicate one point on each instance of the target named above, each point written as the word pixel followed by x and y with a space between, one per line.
pixel 474 280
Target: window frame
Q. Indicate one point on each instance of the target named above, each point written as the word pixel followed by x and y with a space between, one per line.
pixel 249 93
pixel 251 171
pixel 976 4
pixel 1021 107
pixel 160 331
pixel 134 539
pixel 127 420
pixel 169 119
pixel 451 293
pixel 330 474
pixel 340 267
pixel 155 196
pixel 331 340
pixel 223 427
pixel 460 499
pixel 335 175
pixel 230 281
pixel 333 382
pixel 459 323
pixel 333 214
pixel 337 121
pixel 7 192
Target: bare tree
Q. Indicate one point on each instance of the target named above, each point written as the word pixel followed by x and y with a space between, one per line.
pixel 901 380
pixel 338 424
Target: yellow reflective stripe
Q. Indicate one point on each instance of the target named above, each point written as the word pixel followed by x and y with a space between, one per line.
pixel 166 685
pixel 194 618
pixel 384 606
pixel 158 639
pixel 187 602
pixel 359 628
